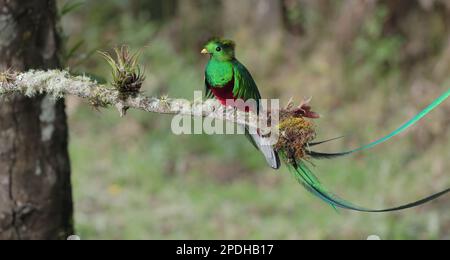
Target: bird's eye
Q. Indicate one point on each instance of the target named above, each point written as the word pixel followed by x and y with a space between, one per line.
pixel 218 49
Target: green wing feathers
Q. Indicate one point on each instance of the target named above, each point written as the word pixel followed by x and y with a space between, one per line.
pixel 244 86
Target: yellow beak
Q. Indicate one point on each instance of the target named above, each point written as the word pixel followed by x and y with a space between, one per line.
pixel 204 51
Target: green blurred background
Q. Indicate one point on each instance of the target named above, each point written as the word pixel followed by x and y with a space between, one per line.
pixel 369 66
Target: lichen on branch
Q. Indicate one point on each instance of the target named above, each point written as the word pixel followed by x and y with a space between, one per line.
pixel 60 83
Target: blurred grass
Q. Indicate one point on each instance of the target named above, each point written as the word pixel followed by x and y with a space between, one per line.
pixel 133 179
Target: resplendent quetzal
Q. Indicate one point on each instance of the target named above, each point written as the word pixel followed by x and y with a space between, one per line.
pixel 227 79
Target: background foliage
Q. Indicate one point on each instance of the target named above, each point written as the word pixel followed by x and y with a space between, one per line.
pixel 369 65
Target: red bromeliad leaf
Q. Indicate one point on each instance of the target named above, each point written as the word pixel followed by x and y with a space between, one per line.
pixel 305 110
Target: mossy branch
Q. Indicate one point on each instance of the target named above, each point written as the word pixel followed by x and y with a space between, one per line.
pixel 60 83
pixel 294 128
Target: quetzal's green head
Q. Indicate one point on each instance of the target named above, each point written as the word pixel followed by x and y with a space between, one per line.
pixel 220 49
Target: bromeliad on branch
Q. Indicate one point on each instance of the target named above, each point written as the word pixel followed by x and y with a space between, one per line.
pixel 227 79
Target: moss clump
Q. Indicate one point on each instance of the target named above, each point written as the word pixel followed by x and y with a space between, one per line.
pixel 295 134
pixel 127 74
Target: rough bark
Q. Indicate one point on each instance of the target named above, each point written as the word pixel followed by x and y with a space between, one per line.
pixel 35 189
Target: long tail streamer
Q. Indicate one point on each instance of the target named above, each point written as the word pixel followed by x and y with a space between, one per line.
pixel 307 178
pixel 401 129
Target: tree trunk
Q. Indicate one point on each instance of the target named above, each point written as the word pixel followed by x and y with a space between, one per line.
pixel 35 188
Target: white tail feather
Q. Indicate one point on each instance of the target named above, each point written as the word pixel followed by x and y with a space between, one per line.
pixel 263 144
